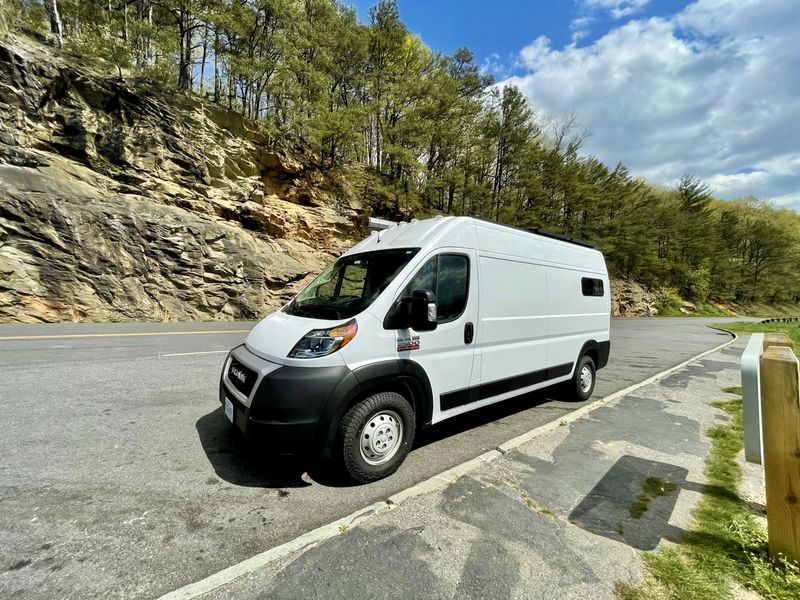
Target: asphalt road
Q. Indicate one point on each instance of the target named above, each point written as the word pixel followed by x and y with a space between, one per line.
pixel 120 476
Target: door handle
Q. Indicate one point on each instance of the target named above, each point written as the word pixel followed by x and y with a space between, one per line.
pixel 469 333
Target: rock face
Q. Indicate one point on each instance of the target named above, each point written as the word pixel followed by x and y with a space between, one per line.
pixel 127 203
pixel 629 299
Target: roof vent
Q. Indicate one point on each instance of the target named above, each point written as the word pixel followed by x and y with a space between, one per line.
pixel 374 223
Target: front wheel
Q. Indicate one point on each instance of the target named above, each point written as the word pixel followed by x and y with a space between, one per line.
pixel 582 384
pixel 376 435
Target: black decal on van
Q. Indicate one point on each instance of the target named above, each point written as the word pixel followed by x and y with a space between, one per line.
pixel 502 386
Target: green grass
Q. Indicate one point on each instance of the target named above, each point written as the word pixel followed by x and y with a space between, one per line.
pixel 651 488
pixel 791 328
pixel 725 545
pixel 535 506
pixel 669 304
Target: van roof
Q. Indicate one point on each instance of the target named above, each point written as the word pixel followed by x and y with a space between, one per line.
pixel 429 232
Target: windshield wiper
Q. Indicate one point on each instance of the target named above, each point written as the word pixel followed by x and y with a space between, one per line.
pixel 316 311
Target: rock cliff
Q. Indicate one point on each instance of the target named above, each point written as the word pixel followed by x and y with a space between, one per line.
pixel 629 299
pixel 119 201
pixel 124 202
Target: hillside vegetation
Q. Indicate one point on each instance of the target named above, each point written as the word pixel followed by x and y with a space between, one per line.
pixel 424 133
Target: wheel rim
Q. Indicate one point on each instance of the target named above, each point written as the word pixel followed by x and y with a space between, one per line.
pixel 380 437
pixel 586 378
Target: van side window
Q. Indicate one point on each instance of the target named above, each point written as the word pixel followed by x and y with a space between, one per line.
pixel 592 287
pixel 425 279
pixel 447 276
pixel 451 291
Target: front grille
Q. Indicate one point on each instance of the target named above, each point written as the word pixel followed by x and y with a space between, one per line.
pixel 241 377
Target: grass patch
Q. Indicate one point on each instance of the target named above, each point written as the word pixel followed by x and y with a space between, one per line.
pixel 536 507
pixel 724 545
pixel 734 389
pixel 712 310
pixel 669 304
pixel 651 488
pixel 791 328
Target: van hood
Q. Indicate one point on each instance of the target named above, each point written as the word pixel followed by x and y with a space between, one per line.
pixel 274 337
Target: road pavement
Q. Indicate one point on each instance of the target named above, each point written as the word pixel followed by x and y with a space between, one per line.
pixel 566 515
pixel 121 477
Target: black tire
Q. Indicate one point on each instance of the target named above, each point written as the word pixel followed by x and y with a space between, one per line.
pixel 390 404
pixel 577 389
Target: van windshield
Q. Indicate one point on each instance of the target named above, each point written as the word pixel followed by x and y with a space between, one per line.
pixel 350 284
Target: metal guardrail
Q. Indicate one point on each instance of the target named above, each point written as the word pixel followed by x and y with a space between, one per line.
pixel 771 406
pixel 751 399
pixel 781 320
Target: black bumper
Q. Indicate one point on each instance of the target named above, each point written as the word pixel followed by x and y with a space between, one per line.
pixel 286 404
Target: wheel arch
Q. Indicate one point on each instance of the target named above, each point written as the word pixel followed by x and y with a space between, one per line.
pixel 597 351
pixel 402 376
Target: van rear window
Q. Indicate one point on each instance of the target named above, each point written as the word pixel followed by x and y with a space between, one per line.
pixel 592 287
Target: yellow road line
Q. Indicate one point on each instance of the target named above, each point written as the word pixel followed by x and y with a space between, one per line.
pixel 62 336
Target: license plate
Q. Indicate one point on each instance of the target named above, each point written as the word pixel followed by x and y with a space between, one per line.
pixel 229 410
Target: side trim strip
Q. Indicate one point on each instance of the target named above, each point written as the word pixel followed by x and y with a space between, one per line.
pixel 502 386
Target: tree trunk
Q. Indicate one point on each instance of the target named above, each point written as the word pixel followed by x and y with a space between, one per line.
pixel 451 194
pixel 203 62
pixel 56 26
pixel 185 57
pixel 217 83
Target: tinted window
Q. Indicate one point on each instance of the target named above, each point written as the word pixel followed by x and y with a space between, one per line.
pixel 592 287
pixel 447 276
pixel 350 285
pixel 425 279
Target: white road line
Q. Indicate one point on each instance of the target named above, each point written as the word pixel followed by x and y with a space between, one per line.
pixel 439 481
pixel 194 353
pixel 57 336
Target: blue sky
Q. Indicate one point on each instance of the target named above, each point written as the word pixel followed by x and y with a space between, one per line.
pixel 708 87
pixel 496 31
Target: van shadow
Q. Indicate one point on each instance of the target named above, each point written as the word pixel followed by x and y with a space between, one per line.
pixel 489 414
pixel 634 501
pixel 235 463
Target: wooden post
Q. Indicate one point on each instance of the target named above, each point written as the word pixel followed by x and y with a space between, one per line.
pixel 780 398
pixel 777 339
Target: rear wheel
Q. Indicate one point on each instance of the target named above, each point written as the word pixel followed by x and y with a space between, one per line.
pixel 376 435
pixel 582 384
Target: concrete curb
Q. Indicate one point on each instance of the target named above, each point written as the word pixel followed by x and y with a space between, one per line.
pixel 437 482
pixel 313 537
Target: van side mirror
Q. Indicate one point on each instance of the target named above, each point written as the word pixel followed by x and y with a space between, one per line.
pixel 423 310
pixel 417 311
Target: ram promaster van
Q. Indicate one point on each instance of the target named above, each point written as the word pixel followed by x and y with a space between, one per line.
pixel 418 323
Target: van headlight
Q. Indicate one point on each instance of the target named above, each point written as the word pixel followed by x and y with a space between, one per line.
pixel 321 342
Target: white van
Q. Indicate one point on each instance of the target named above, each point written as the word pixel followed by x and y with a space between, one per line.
pixel 416 324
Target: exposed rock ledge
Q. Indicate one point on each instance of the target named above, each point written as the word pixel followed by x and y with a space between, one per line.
pixel 120 203
pixel 629 299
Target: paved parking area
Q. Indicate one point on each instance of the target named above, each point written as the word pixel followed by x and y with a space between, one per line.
pixel 120 476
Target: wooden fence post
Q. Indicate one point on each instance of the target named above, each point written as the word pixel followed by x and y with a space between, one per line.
pixel 780 399
pixel 777 339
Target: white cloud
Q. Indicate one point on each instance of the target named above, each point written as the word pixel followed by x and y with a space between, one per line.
pixel 713 91
pixel 494 65
pixel 580 28
pixel 617 8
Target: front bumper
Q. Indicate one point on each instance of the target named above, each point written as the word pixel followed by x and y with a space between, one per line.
pixel 282 411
